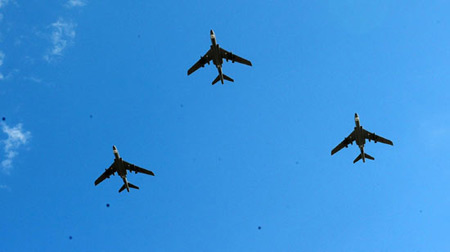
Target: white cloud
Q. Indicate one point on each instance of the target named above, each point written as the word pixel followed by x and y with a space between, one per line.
pixel 16 138
pixel 63 34
pixel 75 3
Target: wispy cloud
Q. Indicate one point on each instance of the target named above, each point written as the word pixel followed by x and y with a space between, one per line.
pixel 2 57
pixel 75 3
pixel 62 36
pixel 16 138
pixel 3 3
pixel 434 130
pixel 5 187
pixel 33 79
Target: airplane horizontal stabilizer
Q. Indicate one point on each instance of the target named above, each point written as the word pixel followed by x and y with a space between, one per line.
pixel 133 186
pixel 224 77
pixel 227 78
pixel 357 158
pixel 123 188
pixel 216 79
pixel 365 156
pixel 369 157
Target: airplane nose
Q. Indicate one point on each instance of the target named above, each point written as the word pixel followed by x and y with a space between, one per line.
pixel 211 32
pixel 114 147
pixel 356 115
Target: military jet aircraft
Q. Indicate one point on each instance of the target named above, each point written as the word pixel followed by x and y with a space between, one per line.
pixel 359 135
pixel 120 166
pixel 217 54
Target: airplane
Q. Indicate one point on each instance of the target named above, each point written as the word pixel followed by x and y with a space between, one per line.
pixel 359 135
pixel 120 166
pixel 217 54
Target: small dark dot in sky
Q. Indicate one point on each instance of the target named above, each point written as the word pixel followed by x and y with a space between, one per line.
pixel 70 237
pixel 3 118
pixel 107 205
pixel 139 36
pixel 420 211
pixel 181 105
pixel 90 116
pixel 296 162
pixel 259 228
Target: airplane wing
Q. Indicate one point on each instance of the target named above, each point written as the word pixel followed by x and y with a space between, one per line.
pixel 372 136
pixel 201 62
pixel 108 172
pixel 348 140
pixel 136 169
pixel 233 57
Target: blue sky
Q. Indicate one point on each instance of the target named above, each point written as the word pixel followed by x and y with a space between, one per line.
pixel 79 76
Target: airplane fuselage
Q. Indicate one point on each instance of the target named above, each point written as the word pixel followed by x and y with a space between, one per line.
pixel 359 138
pixel 120 167
pixel 216 58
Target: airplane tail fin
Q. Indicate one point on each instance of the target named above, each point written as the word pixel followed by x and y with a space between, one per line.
pixel 224 77
pixel 129 185
pixel 365 156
